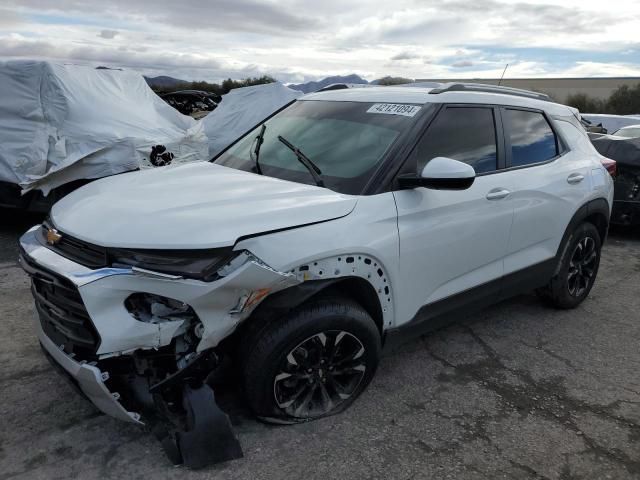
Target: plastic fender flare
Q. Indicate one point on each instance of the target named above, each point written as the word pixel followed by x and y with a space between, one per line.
pixel 599 205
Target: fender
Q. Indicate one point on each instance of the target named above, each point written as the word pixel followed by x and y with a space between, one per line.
pixel 360 276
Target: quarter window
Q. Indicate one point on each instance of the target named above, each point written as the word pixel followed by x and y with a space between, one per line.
pixel 467 134
pixel 532 139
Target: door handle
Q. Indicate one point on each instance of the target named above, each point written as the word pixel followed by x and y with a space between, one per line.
pixel 575 178
pixel 497 194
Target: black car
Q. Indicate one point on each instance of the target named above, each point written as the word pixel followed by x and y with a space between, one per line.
pixel 626 153
pixel 189 102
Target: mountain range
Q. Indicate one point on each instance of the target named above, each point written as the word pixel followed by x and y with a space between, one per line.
pixel 166 82
pixel 314 86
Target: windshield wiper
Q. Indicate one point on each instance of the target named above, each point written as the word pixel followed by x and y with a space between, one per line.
pixel 255 153
pixel 304 160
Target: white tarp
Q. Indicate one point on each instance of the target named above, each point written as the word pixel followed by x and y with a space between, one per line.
pixel 60 123
pixel 611 122
pixel 241 109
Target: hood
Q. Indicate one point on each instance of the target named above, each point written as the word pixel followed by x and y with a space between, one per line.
pixel 199 205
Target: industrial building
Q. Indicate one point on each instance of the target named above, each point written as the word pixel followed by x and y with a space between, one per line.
pixel 557 88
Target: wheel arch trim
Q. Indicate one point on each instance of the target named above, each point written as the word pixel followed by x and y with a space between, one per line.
pixel 361 277
pixel 595 211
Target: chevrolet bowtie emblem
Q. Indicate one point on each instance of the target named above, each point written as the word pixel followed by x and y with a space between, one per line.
pixel 53 236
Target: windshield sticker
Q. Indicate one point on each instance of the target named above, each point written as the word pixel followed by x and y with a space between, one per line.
pixel 394 109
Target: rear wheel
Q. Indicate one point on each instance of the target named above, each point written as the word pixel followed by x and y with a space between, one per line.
pixel 312 363
pixel 578 269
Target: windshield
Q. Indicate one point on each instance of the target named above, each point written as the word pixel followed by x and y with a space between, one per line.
pixel 346 140
pixel 628 132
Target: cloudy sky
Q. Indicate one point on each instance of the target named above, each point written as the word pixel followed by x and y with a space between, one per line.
pixel 300 40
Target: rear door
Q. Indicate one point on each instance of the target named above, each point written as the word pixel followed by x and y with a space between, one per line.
pixel 453 241
pixel 549 181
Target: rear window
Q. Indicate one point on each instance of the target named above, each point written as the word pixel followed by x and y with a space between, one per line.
pixel 532 139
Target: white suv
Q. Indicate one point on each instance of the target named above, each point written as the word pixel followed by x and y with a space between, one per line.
pixel 345 219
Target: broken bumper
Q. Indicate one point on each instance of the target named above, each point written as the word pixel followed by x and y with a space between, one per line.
pixel 89 379
pixel 220 305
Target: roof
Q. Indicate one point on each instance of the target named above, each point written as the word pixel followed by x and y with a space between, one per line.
pixel 480 80
pixel 422 96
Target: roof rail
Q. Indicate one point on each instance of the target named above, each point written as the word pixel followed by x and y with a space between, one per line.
pixel 481 87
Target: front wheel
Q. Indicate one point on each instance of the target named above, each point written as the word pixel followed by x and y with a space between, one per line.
pixel 577 270
pixel 313 363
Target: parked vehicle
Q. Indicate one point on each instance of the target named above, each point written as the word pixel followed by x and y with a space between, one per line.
pixel 194 103
pixel 610 123
pixel 241 110
pixel 631 131
pixel 626 153
pixel 343 223
pixel 62 126
pixel 592 128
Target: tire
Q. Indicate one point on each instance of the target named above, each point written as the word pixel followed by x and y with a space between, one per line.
pixel 312 363
pixel 577 270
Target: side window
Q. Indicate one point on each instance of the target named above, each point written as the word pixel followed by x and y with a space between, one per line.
pixel 467 134
pixel 532 139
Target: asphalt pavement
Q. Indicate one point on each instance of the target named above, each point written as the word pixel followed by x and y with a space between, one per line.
pixel 516 391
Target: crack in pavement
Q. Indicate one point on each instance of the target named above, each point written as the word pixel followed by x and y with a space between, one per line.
pixel 546 398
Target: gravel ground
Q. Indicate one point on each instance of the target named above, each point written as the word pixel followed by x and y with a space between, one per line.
pixel 516 391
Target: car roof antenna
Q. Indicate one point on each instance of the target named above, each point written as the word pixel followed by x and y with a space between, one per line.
pixel 505 69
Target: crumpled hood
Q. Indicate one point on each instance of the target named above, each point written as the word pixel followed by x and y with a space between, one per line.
pixel 199 205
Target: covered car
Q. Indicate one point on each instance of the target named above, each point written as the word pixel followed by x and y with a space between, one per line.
pixel 630 131
pixel 626 152
pixel 242 109
pixel 611 123
pixel 61 125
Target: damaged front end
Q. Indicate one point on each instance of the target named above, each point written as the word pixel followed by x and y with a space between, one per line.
pixel 143 345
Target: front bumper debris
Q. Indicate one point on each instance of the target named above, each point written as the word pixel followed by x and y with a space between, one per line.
pixel 205 437
pixel 89 379
pixel 208 437
pixel 161 385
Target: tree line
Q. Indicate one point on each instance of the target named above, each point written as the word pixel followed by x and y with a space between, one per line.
pixel 625 100
pixel 218 88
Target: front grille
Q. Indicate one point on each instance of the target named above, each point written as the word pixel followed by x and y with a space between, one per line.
pixel 62 313
pixel 79 251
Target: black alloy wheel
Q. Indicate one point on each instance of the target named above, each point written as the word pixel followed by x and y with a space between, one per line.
pixel 577 268
pixel 312 362
pixel 319 374
pixel 582 267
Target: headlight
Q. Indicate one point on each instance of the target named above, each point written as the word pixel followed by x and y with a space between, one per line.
pixel 197 264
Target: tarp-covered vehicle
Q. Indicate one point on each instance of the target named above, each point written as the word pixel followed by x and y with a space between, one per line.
pixel 626 152
pixel 64 125
pixel 241 110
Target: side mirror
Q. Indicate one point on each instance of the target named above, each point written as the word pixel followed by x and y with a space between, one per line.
pixel 441 173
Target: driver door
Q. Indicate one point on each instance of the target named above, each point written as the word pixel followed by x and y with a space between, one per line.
pixel 452 242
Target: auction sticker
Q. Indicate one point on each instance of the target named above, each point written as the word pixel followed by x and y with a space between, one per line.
pixel 394 109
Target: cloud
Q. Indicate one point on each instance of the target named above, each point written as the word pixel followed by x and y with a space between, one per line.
pixel 108 34
pixel 405 56
pixel 296 40
pixel 9 19
pixel 150 62
pixel 254 16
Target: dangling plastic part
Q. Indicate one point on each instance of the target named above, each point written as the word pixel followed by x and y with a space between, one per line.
pixel 209 437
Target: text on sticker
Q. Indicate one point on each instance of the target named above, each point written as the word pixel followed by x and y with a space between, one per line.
pixel 394 109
